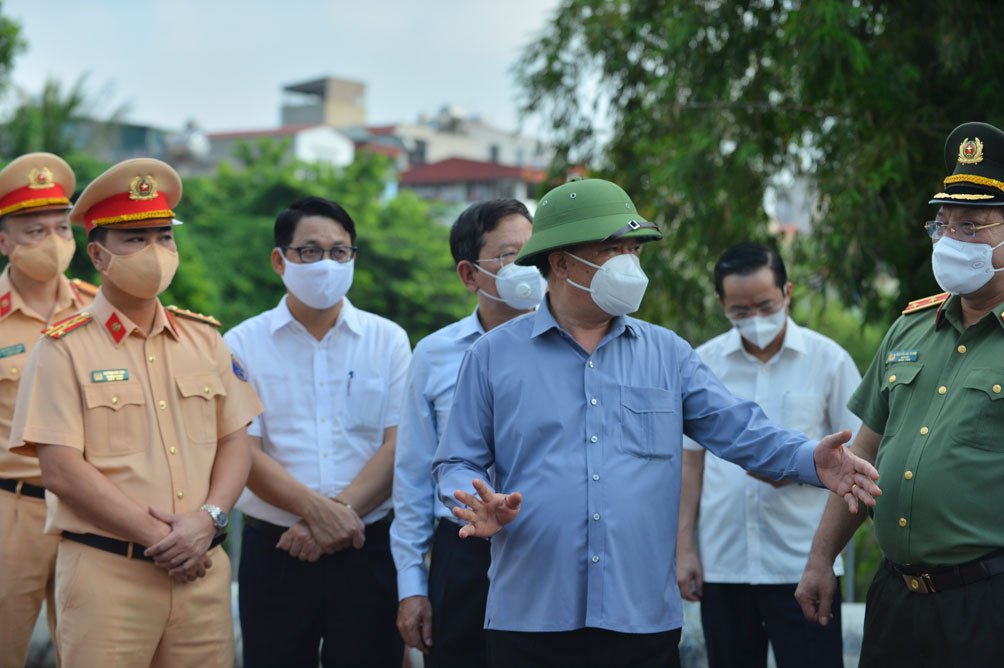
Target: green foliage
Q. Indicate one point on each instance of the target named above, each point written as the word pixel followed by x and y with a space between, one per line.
pixel 709 103
pixel 11 44
pixel 403 271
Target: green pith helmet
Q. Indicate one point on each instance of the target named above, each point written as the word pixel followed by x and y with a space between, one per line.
pixel 581 211
pixel 974 153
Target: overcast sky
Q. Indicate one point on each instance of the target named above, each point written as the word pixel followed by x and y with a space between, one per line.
pixel 224 63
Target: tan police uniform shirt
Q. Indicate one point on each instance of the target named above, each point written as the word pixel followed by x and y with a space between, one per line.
pixel 146 411
pixel 20 329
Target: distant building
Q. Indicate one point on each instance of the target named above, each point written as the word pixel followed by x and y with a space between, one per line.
pixel 459 181
pixel 309 142
pixel 332 101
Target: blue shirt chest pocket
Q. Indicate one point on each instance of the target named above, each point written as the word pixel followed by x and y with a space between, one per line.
pixel 651 425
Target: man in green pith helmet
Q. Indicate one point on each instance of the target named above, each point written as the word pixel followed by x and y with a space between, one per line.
pixel 934 426
pixel 583 409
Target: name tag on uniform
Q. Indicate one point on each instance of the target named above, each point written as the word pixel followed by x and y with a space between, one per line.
pixel 11 350
pixel 902 356
pixel 109 375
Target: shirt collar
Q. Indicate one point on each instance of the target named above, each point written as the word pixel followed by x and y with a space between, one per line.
pixel 470 326
pixel 348 317
pixel 10 298
pixel 950 311
pixel 543 321
pixel 118 326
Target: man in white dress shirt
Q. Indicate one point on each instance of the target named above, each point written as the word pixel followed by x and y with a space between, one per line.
pixel 753 536
pixel 316 574
pixel 442 612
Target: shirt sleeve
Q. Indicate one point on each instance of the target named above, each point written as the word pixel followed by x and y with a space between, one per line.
pixel 400 358
pixel 49 408
pixel 241 403
pixel 846 379
pixel 467 448
pixel 414 488
pixel 236 346
pixel 738 430
pixel 868 402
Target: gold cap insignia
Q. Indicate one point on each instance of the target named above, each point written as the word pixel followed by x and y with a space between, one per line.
pixel 145 187
pixel 971 151
pixel 40 178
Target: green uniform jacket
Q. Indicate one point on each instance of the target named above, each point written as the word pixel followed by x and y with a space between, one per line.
pixel 934 392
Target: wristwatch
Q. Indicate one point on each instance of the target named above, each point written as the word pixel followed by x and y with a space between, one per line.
pixel 220 518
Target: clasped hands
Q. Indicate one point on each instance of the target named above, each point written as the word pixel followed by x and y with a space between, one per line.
pixel 329 528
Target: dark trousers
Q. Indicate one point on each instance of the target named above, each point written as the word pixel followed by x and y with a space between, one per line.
pixel 342 608
pixel 739 619
pixel 961 627
pixel 458 591
pixel 583 648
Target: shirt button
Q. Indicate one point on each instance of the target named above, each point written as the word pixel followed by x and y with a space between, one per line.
pixel 151 359
pixel 115 400
pixel 908 475
pixel 162 404
pixel 593 438
pixel 591 365
pixel 321 383
pixel 902 521
pixel 596 516
pixel 181 494
pixel 173 450
pixel 961 349
pixel 942 389
pixel 996 389
pixel 596 476
pixel 207 389
pixel 596 558
pixel 892 378
pixel 593 400
pixel 324 419
pixel 923 431
pixel 763 369
pixel 13 370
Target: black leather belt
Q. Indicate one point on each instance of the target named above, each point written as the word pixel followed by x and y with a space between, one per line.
pixel 123 547
pixel 932 579
pixel 374 531
pixel 23 488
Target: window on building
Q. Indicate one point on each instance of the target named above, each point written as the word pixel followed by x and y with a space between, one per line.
pixel 493 152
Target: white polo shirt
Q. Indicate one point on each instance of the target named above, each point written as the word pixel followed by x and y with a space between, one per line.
pixel 327 402
pixel 749 531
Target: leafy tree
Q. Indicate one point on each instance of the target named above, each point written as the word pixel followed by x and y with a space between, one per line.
pixel 710 103
pixel 10 45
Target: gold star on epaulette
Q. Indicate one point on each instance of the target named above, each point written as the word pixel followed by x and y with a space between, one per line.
pixel 192 315
pixel 926 302
pixel 61 328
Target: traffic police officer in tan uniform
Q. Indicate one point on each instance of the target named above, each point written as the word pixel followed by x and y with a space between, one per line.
pixel 137 414
pixel 35 236
pixel 933 423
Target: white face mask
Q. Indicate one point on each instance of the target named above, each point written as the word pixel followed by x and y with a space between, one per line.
pixel 618 286
pixel 760 330
pixel 319 284
pixel 519 287
pixel 962 268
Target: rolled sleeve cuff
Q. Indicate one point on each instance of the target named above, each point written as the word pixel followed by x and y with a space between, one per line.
pixel 412 581
pixel 805 464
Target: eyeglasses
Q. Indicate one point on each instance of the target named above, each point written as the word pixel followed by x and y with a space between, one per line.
pixel 311 254
pixel 503 259
pixel 965 230
pixel 762 310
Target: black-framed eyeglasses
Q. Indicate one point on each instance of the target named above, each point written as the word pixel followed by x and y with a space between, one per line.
pixel 311 254
pixel 965 230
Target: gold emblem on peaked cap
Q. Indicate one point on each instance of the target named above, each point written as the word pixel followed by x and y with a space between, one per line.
pixel 145 187
pixel 971 151
pixel 40 178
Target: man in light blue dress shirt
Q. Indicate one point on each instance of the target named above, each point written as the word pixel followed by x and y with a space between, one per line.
pixel 584 410
pixel 441 612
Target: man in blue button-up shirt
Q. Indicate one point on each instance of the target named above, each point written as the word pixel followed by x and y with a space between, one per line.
pixel 441 612
pixel 584 410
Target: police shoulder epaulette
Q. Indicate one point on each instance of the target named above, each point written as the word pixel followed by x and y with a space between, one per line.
pixel 926 302
pixel 84 286
pixel 192 315
pixel 59 329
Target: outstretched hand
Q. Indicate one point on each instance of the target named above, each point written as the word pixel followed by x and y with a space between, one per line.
pixel 485 516
pixel 844 473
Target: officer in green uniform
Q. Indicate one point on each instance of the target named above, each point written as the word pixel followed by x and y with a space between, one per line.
pixel 933 415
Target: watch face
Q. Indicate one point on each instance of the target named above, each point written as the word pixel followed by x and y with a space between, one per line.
pixel 221 520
